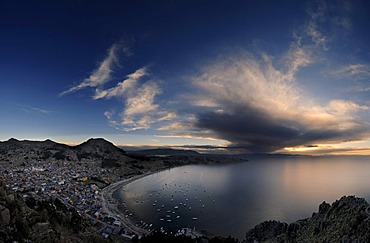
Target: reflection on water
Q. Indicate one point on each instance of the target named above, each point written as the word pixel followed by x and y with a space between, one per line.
pixel 229 199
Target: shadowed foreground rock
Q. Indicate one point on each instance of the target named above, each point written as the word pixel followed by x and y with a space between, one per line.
pixel 346 220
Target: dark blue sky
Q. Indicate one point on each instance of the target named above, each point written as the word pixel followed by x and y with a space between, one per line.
pixel 250 75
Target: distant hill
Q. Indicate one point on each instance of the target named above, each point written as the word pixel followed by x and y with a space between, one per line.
pixel 165 152
pixel 95 149
pixel 100 148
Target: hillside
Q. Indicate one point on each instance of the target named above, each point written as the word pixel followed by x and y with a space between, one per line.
pixel 29 220
pixel 98 151
pixel 346 220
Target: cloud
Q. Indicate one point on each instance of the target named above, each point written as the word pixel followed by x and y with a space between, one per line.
pixel 101 74
pixel 317 15
pixel 261 108
pixel 137 93
pixel 143 101
pixel 358 74
pixel 29 109
pixel 138 99
pixel 356 71
pixel 328 22
pixel 255 102
pixel 123 87
pixel 139 108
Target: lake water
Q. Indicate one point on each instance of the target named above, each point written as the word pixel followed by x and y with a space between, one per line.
pixel 230 199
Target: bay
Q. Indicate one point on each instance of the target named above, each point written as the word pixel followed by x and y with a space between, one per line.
pixel 229 199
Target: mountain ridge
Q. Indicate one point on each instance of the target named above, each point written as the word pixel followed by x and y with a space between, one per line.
pixel 97 149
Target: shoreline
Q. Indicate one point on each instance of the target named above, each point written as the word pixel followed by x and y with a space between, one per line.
pixel 110 204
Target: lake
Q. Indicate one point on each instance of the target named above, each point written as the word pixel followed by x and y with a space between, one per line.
pixel 230 199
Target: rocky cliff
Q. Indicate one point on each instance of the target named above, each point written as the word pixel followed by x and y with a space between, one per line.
pixel 346 220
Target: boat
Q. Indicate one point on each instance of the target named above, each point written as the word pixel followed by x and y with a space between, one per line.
pixel 176 207
pixel 195 218
pixel 169 220
pixel 161 219
pixel 178 216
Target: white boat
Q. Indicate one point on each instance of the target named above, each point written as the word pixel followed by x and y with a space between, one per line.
pixel 176 207
pixel 195 218
pixel 169 220
pixel 178 216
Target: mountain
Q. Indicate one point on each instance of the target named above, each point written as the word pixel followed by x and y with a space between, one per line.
pixel 99 148
pixel 96 150
pixel 165 152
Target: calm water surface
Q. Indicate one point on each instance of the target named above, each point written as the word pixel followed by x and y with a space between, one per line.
pixel 230 199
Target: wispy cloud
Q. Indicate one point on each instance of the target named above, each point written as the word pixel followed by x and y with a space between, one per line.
pixel 137 93
pixel 317 15
pixel 101 74
pixel 123 87
pixel 35 110
pixel 138 99
pixel 327 22
pixel 355 71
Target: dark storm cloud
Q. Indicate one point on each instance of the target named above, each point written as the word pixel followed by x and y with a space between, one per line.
pixel 257 132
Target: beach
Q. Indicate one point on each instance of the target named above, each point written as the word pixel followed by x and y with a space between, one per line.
pixel 110 204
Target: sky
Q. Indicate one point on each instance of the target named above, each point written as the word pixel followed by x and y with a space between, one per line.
pixel 214 76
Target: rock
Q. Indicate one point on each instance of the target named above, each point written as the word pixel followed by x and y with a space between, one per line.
pixel 346 220
pixel 274 231
pixel 324 207
pixel 5 217
pixel 10 198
